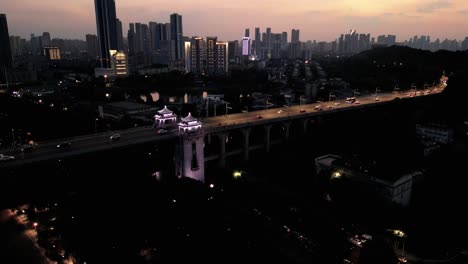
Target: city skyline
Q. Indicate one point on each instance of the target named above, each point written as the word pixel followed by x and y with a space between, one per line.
pixel 402 18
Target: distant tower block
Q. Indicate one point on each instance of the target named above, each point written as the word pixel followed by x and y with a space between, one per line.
pixel 190 157
pixel 165 118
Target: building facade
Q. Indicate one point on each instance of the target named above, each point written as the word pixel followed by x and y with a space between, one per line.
pixel 106 22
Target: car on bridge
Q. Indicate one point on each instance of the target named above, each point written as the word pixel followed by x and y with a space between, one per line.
pixel 259 117
pixel 161 131
pixel 64 145
pixel 6 158
pixel 302 110
pixel 27 148
pixel 115 137
pixel 280 111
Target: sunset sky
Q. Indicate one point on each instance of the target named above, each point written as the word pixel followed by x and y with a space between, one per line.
pixel 317 20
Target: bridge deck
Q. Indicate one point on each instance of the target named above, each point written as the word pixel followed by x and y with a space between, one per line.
pixel 95 142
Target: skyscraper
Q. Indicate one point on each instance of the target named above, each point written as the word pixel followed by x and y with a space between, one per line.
pixel 106 22
pixel 188 58
pixel 92 46
pixel 295 36
pixel 246 46
pixel 284 40
pixel 257 40
pixel 211 54
pixel 131 38
pixel 247 33
pixel 5 50
pixel 221 58
pixel 46 39
pixel 176 36
pixel 120 45
pixel 196 56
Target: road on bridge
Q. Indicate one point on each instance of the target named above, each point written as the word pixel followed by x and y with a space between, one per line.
pixel 94 142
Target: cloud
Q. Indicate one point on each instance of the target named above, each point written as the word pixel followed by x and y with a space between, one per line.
pixel 434 6
pixel 464 12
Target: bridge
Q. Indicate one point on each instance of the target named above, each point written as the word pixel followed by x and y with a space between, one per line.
pixel 191 145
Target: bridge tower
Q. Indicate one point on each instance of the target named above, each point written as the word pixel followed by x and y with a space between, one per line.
pixel 165 118
pixel 190 157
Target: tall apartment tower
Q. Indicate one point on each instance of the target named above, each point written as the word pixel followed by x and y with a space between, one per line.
pixel 46 39
pixel 211 54
pixel 176 36
pixel 295 36
pixel 120 45
pixel 221 61
pixel 197 56
pixel 106 22
pixel 92 45
pixel 5 50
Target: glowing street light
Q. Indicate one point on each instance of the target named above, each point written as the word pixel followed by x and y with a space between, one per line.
pixel 336 175
pixel 237 174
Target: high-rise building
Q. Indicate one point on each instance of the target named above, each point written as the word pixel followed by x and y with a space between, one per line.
pixel 276 49
pixel 268 39
pixel 51 53
pixel 196 56
pixel 233 51
pixel 45 39
pixel 222 58
pixel 257 40
pixel 36 45
pixel 131 38
pixel 284 40
pixel 176 36
pixel 154 36
pixel 247 33
pixel 5 50
pixel 211 54
pixel 106 22
pixel 295 36
pixel 120 43
pixel 188 56
pixel 92 46
pixel 246 46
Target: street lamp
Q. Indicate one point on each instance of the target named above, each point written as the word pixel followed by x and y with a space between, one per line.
pixel 227 108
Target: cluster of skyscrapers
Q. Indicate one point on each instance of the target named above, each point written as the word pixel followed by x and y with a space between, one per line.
pixel 268 45
pixel 164 43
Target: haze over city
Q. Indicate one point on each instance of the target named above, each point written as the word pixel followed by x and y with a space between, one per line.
pixel 74 19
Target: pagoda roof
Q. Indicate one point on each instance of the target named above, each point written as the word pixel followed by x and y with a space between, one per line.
pixel 165 111
pixel 189 118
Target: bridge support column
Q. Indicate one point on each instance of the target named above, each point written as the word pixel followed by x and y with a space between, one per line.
pixel 209 138
pixel 246 133
pixel 305 124
pixel 267 137
pixel 286 126
pixel 222 149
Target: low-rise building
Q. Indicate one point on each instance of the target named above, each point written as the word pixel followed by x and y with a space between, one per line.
pixel 393 185
pixel 435 132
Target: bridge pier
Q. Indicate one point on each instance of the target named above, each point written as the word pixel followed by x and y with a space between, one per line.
pixel 246 134
pixel 222 149
pixel 305 124
pixel 209 138
pixel 286 126
pixel 267 138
